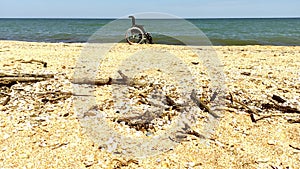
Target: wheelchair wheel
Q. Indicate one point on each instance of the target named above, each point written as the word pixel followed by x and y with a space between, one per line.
pixel 134 36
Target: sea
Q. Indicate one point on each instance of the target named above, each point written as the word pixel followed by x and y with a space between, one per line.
pixel 219 32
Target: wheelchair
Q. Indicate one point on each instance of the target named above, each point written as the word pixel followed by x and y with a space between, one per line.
pixel 137 34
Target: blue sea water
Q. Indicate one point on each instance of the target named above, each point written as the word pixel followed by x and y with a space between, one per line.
pixel 250 31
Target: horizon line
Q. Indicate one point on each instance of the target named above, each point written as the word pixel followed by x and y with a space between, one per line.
pixel 263 17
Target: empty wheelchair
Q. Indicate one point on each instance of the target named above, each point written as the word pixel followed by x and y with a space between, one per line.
pixel 137 34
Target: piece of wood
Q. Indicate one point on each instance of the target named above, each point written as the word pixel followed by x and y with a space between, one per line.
pixel 14 80
pixel 253 118
pixel 32 61
pixel 8 79
pixel 293 120
pixel 252 111
pixel 202 105
pixel 54 99
pixel 284 109
pixel 296 148
pixel 278 99
pixel 61 93
pixel 6 100
pixel 101 82
pixel 4 75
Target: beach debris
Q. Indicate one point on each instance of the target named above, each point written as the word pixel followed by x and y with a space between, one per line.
pixel 282 108
pixel 250 110
pixel 8 79
pixel 254 110
pixel 119 163
pixel 109 81
pixel 33 61
pixel 7 99
pixel 202 105
pixel 58 145
pixel 246 73
pixel 294 147
pixel 278 99
pixel 294 120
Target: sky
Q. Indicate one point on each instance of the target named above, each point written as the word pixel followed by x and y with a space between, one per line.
pixel 121 8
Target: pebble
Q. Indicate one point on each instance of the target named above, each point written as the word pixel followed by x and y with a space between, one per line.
pixel 272 142
pixel 190 164
pixel 4 149
pixel 6 136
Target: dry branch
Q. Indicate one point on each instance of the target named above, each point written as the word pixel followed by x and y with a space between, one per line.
pixel 8 79
pixel 32 61
pixel 6 100
pixel 3 75
pixel 284 109
pixel 296 148
pixel 202 105
pixel 294 121
pixel 101 82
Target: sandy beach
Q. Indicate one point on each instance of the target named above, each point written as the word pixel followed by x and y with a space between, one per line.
pixel 41 129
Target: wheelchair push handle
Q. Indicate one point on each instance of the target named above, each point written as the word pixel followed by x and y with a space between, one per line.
pixel 132 20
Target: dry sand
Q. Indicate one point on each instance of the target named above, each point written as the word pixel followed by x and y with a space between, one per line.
pixel 37 134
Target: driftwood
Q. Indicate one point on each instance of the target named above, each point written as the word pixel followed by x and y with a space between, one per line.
pixel 278 99
pixel 9 79
pixel 32 61
pixel 101 82
pixel 294 120
pixel 130 82
pixel 3 75
pixel 251 111
pixel 272 105
pixel 284 109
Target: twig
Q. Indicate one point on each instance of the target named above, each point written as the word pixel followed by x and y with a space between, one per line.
pixel 124 77
pixel 194 133
pixel 55 99
pixel 253 118
pixel 231 98
pixel 59 145
pixel 202 105
pixel 294 147
pixel 5 94
pixel 269 116
pixel 101 82
pixel 6 100
pixel 2 75
pixel 14 80
pixel 294 121
pixel 285 109
pixel 246 107
pixel 278 99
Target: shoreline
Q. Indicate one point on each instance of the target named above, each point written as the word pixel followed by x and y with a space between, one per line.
pixel 41 129
pixel 262 45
